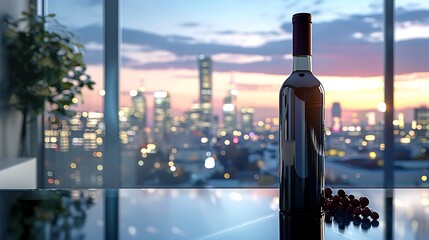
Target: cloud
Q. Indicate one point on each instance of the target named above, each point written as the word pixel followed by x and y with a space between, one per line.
pixel 91 2
pixel 242 39
pixel 261 33
pixel 133 47
pixel 256 87
pixel 141 58
pixel 156 56
pixel 350 46
pixel 239 58
pixel 180 39
pixel 404 15
pixel 411 30
pixel 189 24
pixel 96 46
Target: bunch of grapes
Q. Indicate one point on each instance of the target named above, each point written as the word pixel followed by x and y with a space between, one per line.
pixel 345 208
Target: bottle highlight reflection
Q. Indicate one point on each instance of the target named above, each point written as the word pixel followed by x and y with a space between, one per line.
pixel 299 227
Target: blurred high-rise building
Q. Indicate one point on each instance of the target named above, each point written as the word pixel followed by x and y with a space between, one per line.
pixel 139 108
pixel 247 118
pixel 421 117
pixel 206 105
pixel 229 109
pixel 125 114
pixel 161 118
pixel 193 117
pixel 401 120
pixel 138 118
pixel 371 119
pixel 336 117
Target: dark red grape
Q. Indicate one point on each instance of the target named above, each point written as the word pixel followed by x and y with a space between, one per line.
pixel 345 207
pixel 357 211
pixel 364 201
pixel 375 215
pixel 328 191
pixel 336 198
pixel 339 207
pixel 355 202
pixel 329 204
pixel 345 201
pixel 366 212
pixel 341 192
pixel 350 209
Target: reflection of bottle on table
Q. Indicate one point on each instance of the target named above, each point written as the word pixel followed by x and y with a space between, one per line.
pixel 300 227
pixel 301 141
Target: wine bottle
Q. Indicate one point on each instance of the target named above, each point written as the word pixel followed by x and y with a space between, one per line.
pixel 301 131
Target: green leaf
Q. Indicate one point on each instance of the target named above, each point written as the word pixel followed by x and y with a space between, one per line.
pixel 42 91
pixel 46 65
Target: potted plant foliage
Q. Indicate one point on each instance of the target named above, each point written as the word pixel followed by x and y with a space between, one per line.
pixel 46 68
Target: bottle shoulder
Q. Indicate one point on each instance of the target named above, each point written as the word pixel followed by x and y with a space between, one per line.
pixel 302 78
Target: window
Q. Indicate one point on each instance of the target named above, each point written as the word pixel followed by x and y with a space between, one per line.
pixel 198 93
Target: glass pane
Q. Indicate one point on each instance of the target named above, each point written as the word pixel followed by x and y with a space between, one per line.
pixel 74 147
pixel 348 58
pixel 411 99
pixel 200 82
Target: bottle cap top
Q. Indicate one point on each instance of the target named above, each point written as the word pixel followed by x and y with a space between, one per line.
pixel 301 18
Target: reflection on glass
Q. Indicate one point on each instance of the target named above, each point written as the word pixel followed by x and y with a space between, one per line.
pixel 225 214
pixel 301 227
pixel 51 214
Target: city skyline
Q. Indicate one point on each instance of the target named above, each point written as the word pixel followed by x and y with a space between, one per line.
pixel 260 112
pixel 255 49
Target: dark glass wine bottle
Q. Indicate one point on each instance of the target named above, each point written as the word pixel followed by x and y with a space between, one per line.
pixel 301 132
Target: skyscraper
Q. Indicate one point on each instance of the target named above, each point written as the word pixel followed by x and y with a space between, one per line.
pixel 139 110
pixel 161 117
pixel 421 116
pixel 229 109
pixel 336 117
pixel 247 117
pixel 193 117
pixel 205 77
pixel 138 118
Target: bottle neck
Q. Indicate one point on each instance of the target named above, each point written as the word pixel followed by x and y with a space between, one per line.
pixel 301 63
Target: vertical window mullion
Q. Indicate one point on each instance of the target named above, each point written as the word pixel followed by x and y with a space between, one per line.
pixel 38 128
pixel 388 94
pixel 112 152
pixel 111 99
pixel 388 115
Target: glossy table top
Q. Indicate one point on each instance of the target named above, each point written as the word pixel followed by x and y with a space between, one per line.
pixel 249 213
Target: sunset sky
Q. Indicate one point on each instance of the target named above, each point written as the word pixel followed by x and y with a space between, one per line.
pixel 250 44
